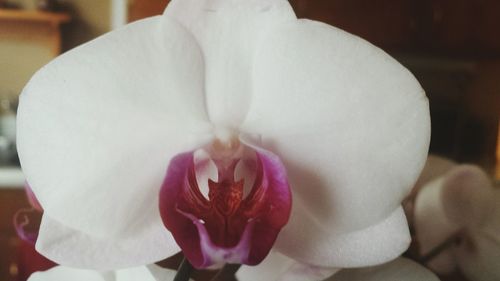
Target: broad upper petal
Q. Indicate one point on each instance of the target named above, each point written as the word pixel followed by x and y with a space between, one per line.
pixel 98 126
pixel 313 243
pixel 349 122
pixel 71 247
pixel 229 32
pixel 400 269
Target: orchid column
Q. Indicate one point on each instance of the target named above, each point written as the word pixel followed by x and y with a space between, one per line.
pixel 247 120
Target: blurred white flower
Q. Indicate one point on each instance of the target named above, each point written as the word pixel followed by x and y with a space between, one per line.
pixel 460 206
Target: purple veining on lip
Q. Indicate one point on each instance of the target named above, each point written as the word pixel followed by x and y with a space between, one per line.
pixel 228 227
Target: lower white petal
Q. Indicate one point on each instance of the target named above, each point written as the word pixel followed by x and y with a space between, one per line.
pixel 63 273
pixel 400 269
pixel 278 267
pixel 71 247
pixel 142 273
pixel 307 241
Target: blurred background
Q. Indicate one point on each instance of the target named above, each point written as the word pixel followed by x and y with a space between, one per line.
pixel 451 46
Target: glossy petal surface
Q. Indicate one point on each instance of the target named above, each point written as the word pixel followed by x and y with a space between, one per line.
pixel 98 125
pixel 225 227
pixel 349 122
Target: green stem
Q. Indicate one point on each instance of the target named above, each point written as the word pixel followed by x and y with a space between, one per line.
pixel 184 272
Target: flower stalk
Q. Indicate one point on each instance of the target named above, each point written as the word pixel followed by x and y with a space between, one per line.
pixel 184 272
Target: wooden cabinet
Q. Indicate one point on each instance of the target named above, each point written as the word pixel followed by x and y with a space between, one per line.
pixel 33 25
pixel 462 27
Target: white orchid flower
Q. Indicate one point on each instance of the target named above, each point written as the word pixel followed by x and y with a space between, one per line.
pixel 228 94
pixel 460 207
pixel 142 273
pixel 277 267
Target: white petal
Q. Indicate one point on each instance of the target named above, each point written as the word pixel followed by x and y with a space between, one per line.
pixel 98 126
pixel 63 273
pixel 468 195
pixel 75 248
pixel 349 122
pixel 461 198
pixel 229 32
pixel 270 269
pixel 432 225
pixel 143 273
pixel 479 256
pixel 400 269
pixel 279 267
pixel 311 243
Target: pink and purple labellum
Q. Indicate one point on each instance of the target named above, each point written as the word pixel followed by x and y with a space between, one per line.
pixel 230 223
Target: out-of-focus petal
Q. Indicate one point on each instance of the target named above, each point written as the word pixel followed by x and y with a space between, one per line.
pixel 277 267
pixel 98 126
pixel 400 269
pixel 314 244
pixel 467 195
pixel 432 225
pixel 350 123
pixel 143 273
pixel 75 248
pixel 229 33
pixel 461 199
pixel 478 256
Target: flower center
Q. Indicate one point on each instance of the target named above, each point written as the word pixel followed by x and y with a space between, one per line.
pixel 227 206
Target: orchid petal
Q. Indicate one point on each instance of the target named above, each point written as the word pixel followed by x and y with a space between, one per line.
pixel 432 225
pixel 461 199
pixel 312 244
pixel 400 269
pixel 74 248
pixel 229 32
pixel 467 195
pixel 277 267
pixel 98 126
pixel 478 254
pixel 349 122
pixel 143 273
pixel 67 273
